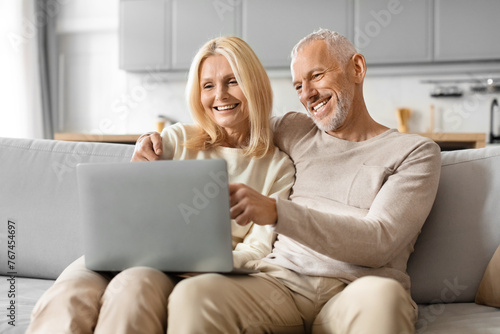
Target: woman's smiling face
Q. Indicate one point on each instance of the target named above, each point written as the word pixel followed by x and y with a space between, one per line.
pixel 221 95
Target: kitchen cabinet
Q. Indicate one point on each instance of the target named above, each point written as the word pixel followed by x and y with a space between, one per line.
pixel 165 34
pixel 392 31
pixel 194 22
pixel 273 27
pixel 466 30
pixel 144 34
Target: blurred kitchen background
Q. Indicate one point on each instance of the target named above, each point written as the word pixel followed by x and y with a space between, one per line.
pixel 112 67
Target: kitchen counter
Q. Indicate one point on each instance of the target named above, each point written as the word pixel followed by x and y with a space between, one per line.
pixel 455 141
pixel 119 139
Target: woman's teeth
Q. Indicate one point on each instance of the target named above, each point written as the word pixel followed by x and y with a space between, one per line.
pixel 232 106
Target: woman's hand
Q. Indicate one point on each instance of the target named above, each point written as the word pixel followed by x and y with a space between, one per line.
pixel 148 147
pixel 248 205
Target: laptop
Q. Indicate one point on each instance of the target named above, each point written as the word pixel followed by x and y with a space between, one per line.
pixel 169 215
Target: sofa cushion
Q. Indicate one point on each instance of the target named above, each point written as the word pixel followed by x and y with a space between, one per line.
pixel 488 292
pixel 462 231
pixel 28 291
pixel 457 318
pixel 42 200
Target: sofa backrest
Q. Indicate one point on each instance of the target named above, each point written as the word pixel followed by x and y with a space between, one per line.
pixel 39 194
pixel 462 231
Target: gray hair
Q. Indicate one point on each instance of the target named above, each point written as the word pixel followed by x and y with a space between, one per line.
pixel 340 46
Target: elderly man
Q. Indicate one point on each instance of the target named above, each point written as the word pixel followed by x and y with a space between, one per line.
pixel 361 196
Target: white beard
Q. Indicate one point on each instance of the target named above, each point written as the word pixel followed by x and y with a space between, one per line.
pixel 336 120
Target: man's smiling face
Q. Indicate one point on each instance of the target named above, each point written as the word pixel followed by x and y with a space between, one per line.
pixel 323 85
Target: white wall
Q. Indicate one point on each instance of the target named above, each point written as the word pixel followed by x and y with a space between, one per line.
pixel 469 113
pixel 97 97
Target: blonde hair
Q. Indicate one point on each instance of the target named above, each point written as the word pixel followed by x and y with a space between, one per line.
pixel 255 85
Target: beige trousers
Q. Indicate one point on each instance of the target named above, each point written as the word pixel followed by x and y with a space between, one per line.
pixel 82 301
pixel 276 300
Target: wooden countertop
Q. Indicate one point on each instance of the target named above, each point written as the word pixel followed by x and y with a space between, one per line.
pixel 457 140
pixel 120 139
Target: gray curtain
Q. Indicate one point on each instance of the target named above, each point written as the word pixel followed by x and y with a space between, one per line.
pixel 46 12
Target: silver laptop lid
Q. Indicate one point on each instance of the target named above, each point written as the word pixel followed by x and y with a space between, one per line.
pixel 169 215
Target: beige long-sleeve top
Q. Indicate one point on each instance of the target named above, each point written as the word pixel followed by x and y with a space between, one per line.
pixel 272 175
pixel 356 208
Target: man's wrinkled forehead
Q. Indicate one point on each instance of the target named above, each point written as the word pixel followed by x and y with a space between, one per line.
pixel 310 56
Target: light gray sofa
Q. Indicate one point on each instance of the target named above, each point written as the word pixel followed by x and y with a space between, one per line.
pixel 38 194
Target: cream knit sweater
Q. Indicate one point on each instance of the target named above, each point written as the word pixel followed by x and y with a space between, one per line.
pixel 356 208
pixel 272 175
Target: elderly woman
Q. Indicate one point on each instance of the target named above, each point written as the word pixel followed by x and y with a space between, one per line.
pixel 230 98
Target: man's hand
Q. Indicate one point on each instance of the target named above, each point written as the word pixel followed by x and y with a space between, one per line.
pixel 148 147
pixel 248 205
